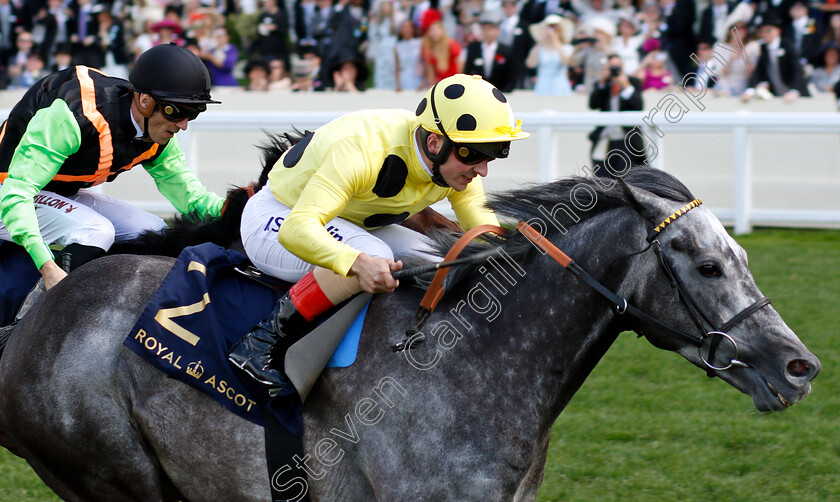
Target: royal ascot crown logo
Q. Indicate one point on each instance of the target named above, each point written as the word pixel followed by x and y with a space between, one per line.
pixel 195 369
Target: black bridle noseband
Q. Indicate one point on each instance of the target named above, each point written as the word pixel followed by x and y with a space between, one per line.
pixel 708 341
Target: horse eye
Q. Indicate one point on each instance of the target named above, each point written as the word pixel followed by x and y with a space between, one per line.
pixel 709 269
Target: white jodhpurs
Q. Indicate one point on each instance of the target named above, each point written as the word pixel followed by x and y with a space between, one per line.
pixel 88 218
pixel 264 214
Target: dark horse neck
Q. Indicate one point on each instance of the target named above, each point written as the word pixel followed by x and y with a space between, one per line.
pixel 503 323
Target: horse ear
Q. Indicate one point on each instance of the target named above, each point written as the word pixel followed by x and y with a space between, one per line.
pixel 642 201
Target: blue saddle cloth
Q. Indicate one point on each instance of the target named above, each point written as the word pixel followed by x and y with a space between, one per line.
pixel 199 311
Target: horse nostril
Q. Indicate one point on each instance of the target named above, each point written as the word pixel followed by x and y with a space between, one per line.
pixel 798 368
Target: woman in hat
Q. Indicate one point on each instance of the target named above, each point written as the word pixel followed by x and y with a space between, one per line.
pixel 167 31
pixel 732 76
pixel 551 56
pixel 221 59
pixel 652 71
pixel 305 68
pixel 349 73
pixel 627 44
pixel 591 56
pixel 256 70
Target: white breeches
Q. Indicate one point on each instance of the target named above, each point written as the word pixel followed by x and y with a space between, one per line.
pixel 88 218
pixel 264 214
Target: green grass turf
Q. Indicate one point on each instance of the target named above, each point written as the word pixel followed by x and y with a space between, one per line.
pixel 18 482
pixel 649 426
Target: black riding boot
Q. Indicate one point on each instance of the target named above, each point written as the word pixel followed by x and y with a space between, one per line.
pixel 69 259
pixel 268 342
pixel 76 255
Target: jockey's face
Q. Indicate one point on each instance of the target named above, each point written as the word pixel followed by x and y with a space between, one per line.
pixel 455 172
pixel 458 175
pixel 162 130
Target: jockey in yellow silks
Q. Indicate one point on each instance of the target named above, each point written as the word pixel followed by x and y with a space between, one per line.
pixel 328 219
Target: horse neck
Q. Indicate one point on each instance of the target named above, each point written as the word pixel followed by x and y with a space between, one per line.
pixel 550 328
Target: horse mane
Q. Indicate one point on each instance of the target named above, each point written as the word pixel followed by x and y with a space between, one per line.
pixel 523 204
pixel 537 200
pixel 190 229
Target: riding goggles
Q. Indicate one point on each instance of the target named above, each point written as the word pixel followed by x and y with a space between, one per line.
pixel 476 153
pixel 177 112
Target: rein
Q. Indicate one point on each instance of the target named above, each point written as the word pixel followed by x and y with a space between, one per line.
pixel 435 291
pixel 707 342
pixel 436 267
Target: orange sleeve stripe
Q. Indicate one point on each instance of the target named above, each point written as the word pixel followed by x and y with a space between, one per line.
pixel 143 156
pixel 97 177
pixel 106 149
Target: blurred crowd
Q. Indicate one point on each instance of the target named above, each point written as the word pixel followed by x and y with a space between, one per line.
pixel 752 48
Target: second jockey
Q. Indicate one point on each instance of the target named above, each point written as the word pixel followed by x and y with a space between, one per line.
pixel 329 217
pixel 78 128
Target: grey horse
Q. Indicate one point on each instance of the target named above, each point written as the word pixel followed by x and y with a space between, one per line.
pixel 464 415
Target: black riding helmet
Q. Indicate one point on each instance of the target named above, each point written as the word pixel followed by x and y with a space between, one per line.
pixel 168 72
pixel 177 81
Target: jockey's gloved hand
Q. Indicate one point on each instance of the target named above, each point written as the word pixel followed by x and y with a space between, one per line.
pixel 375 274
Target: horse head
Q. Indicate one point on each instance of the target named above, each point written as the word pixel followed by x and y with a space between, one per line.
pixel 695 280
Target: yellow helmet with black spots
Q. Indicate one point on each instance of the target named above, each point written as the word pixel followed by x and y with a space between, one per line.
pixel 468 109
pixel 474 118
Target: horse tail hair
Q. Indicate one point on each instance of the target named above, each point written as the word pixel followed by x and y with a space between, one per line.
pixel 274 146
